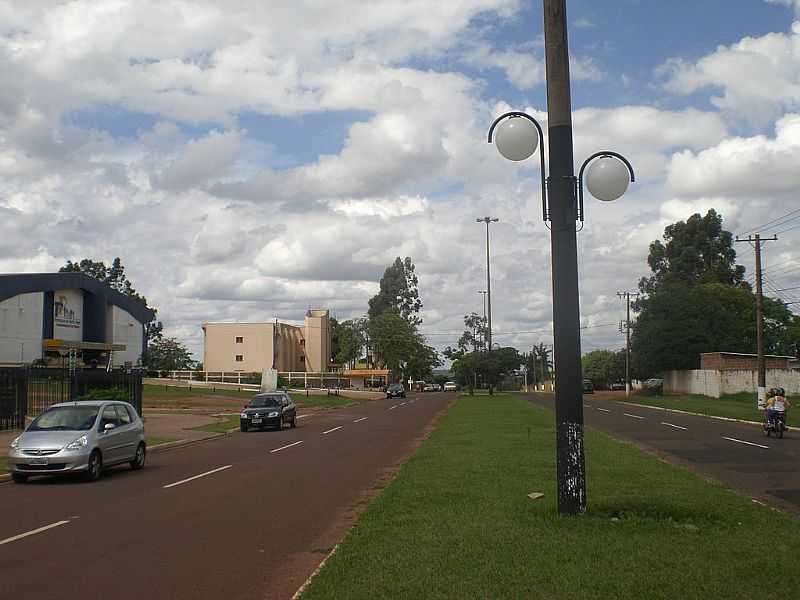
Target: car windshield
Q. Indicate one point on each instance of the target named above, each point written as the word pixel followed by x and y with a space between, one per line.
pixel 265 402
pixel 65 418
pixel 395 386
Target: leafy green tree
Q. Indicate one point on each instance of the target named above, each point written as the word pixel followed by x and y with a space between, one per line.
pixel 539 364
pixel 603 367
pixel 694 251
pixel 399 347
pixel 398 292
pixel 114 276
pixel 348 340
pixel 168 354
pixel 489 366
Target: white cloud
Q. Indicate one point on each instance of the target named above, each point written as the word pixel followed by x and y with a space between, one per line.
pixel 790 3
pixel 758 76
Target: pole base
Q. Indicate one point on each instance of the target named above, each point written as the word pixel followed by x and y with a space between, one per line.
pixel 571 469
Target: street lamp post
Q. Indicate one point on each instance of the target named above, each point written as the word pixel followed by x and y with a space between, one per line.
pixel 483 292
pixel 518 135
pixel 488 220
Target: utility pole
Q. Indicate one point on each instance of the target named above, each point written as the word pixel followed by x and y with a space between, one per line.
pixel 484 316
pixel 488 220
pixel 627 296
pixel 533 362
pixel 762 371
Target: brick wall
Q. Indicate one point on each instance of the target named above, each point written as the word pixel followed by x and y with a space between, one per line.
pixel 721 361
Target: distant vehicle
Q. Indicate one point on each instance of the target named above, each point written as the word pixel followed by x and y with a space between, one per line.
pixel 617 386
pixel 272 409
pixel 588 387
pixel 450 386
pixel 395 390
pixel 653 387
pixel 83 437
pixel 431 387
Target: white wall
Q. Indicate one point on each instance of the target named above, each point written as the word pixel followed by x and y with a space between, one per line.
pixel 719 383
pixel 21 328
pixel 68 318
pixel 124 330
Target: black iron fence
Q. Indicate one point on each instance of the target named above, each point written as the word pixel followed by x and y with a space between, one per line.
pixel 28 391
pixel 13 398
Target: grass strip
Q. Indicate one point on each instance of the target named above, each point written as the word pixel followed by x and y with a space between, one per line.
pixel 321 400
pixel 735 406
pixel 153 441
pixel 456 522
pixel 223 426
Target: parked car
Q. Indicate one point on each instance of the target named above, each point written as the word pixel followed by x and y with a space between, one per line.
pixel 431 387
pixel 272 409
pixel 395 390
pixel 588 386
pixel 84 437
pixel 450 386
pixel 617 386
pixel 653 387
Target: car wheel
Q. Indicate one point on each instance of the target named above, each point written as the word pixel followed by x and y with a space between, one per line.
pixel 280 424
pixel 139 458
pixel 19 477
pixel 294 421
pixel 243 427
pixel 95 468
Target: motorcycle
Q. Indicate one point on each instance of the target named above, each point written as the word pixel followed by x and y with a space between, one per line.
pixel 777 425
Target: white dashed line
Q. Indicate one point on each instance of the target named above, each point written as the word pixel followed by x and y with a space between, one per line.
pixel 393 407
pixel 673 425
pixel 332 430
pixel 604 409
pixel 303 416
pixel 744 442
pixel 633 416
pixel 286 446
pixel 197 476
pixel 32 532
pixel 402 403
pixel 361 419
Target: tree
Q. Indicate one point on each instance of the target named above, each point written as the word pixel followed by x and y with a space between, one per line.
pixel 168 354
pixel 603 367
pixel 490 366
pixel 348 340
pixel 694 251
pixel 398 292
pixel 399 347
pixel 538 363
pixel 114 276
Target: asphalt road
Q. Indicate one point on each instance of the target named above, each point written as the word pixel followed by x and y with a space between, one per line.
pixel 737 454
pixel 264 509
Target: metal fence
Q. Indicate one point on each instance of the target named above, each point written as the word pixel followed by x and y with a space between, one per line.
pixel 13 397
pixel 31 390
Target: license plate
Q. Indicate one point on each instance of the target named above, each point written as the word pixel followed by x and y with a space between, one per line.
pixel 37 461
pixel 256 420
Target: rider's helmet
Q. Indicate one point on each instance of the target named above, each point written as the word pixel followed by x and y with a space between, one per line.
pixel 780 391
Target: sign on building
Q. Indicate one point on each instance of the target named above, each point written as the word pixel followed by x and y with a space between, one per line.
pixel 68 315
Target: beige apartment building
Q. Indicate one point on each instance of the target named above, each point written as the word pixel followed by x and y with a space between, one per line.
pixel 253 347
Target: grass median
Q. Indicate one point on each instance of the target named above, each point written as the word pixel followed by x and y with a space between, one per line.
pixel 735 406
pixel 456 522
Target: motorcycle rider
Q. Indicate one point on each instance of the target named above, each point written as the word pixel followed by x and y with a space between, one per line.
pixel 776 405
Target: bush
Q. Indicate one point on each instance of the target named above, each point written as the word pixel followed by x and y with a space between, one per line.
pixel 113 393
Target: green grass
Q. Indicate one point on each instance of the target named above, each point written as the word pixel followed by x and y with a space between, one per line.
pixel 735 406
pixel 170 391
pixel 152 441
pixel 228 423
pixel 456 523
pixel 321 400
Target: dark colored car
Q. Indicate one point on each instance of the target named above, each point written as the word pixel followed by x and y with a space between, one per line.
pixel 395 390
pixel 652 387
pixel 618 386
pixel 588 387
pixel 268 410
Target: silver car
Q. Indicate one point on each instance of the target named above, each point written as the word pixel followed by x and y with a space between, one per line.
pixel 79 437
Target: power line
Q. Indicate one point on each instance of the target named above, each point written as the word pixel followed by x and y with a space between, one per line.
pixel 773 222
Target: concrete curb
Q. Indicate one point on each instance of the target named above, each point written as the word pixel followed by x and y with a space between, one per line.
pixel 694 414
pixel 307 582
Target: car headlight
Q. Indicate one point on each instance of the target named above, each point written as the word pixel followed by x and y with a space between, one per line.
pixel 81 442
pixel 273 414
pixel 243 415
pixel 15 442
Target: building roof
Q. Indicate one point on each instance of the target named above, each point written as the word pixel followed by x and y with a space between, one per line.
pixel 27 283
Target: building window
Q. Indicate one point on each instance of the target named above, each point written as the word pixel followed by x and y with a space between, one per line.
pixel 239 358
pixel 239 339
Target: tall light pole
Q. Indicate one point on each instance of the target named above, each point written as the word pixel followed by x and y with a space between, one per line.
pixel 488 220
pixel 518 135
pixel 484 315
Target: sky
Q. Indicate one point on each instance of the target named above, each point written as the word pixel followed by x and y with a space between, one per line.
pixel 249 160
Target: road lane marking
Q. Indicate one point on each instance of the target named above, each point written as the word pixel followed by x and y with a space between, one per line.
pixel 361 419
pixel 393 407
pixel 633 416
pixel 302 416
pixel 604 409
pixel 197 476
pixel 32 532
pixel 332 430
pixel 744 442
pixel 673 425
pixel 585 405
pixel 286 446
pixel 402 403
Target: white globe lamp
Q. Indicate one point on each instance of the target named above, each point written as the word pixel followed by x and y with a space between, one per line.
pixel 516 138
pixel 608 178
